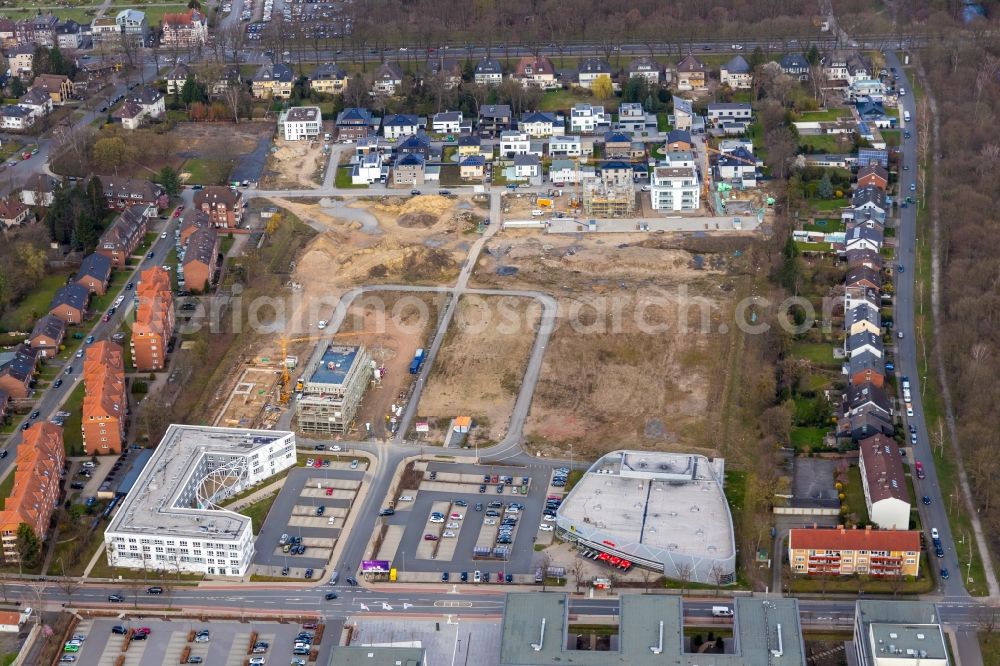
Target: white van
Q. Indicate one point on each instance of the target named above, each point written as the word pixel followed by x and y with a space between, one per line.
pixel 722 611
pixel 537 213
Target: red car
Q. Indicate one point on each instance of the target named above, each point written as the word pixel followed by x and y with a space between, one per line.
pixel 430 537
pixel 318 463
pixel 144 630
pixel 329 491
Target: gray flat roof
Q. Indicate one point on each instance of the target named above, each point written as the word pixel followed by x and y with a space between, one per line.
pixel 158 504
pixel 335 364
pixel 671 501
pixel 535 626
pixel 376 656
pixel 906 628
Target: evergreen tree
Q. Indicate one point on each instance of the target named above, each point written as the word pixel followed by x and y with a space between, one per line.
pixel 28 546
pixel 813 56
pixel 16 87
pixel 170 180
pixel 97 203
pixel 87 232
pixel 825 187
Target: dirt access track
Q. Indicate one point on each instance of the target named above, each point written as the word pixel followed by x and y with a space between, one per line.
pixel 419 240
pixel 638 355
pixel 479 367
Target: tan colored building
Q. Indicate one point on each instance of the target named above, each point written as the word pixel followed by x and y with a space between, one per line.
pixel 154 320
pixel 35 495
pixel 328 79
pixel 105 405
pixel 59 88
pixel 843 552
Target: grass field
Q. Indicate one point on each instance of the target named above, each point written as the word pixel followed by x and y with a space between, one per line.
pixel 72 429
pixel 257 511
pixel 819 353
pixel 826 115
pixel 343 179
pixel 22 316
pixel 564 100
pixel 806 438
pixel 207 172
pixel 7 486
pixel 824 143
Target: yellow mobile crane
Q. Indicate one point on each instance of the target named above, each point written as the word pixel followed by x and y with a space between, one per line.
pixel 285 391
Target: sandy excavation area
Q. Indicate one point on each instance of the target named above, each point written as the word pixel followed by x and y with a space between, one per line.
pixel 479 367
pixel 295 164
pixel 638 354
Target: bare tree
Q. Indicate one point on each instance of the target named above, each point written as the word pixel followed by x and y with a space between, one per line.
pixel 544 562
pixel 684 572
pixel 647 577
pixel 69 585
pixel 719 576
pixel 577 570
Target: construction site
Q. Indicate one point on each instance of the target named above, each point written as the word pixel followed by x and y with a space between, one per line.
pixel 608 201
pixel 643 335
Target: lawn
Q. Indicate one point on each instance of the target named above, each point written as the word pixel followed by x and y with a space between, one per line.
pixel 812 247
pixel 825 226
pixel 343 179
pixel 855 584
pixel 7 486
pixel 102 303
pixel 207 172
pixel 73 428
pixel 564 100
pixel 825 143
pixel 826 115
pixel 154 13
pixel 855 492
pixel 828 204
pixel 806 439
pixel 22 317
pixel 820 353
pixel 257 511
pixel 227 244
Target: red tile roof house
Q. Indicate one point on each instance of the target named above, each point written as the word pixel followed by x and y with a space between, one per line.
pixel 124 235
pixel 47 335
pixel 13 212
pixel 94 273
pixel 224 205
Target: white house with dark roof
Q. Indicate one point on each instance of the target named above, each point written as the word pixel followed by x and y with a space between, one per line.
pixel 592 69
pixel 646 68
pixel 400 125
pixel 447 122
pixel 541 124
pixel 736 74
pixel 488 72
pixel 589 119
pixel 16 117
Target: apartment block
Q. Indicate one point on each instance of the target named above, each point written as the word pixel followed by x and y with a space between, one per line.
pixel 843 552
pixel 675 188
pixel 35 495
pixel 105 404
pixel 154 320
pixel 224 205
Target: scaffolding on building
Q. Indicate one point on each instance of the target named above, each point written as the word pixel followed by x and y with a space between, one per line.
pixel 608 201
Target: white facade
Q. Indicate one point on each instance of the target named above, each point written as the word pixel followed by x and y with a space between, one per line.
pixel 16 118
pixel 588 119
pixel 514 143
pixel 369 170
pixel 568 146
pixel 540 127
pixel 396 127
pixel 566 172
pixel 167 523
pixel 449 122
pixel 675 188
pixel 301 123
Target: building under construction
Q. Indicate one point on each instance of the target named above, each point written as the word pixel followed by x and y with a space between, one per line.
pixel 332 392
pixel 604 200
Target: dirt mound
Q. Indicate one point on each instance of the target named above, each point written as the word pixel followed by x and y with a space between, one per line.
pixel 417 220
pixel 431 204
pixel 385 261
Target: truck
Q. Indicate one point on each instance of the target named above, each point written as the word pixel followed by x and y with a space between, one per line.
pixel 722 611
pixel 418 360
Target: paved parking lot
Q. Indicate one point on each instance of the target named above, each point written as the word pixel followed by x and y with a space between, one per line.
pixel 227 647
pixel 455 554
pixel 294 513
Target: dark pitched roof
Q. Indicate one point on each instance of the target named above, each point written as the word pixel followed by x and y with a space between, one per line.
pixel 862 394
pixel 615 164
pixel 866 360
pixel 617 137
pixel 49 326
pixel 873 170
pixel 541 65
pixel 355 116
pixel 864 258
pixel 216 195
pixel 691 64
pixel 489 66
pixel 389 71
pixel 469 140
pixel 473 160
pixel 674 136
pixel 21 364
pixel 643 64
pixel 409 159
pixel 326 71
pixel 73 294
pixel 401 120
pixel 419 141
pixel 202 246
pixel 538 117
pixel 864 339
pixel 737 65
pixel 96 266
pixel 869 194
pixel 279 71
pixel 861 274
pixel 526 160
pixel 494 111
pixel 793 61
pixel 594 66
pixel 883 468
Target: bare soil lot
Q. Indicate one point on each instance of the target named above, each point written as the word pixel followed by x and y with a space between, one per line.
pixel 479 367
pixel 201 145
pixel 295 164
pixel 638 354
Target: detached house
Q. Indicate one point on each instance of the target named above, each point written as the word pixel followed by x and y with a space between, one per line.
pixel 37 101
pixel 408 170
pixel 141 104
pixel 301 123
pixel 447 122
pixel 177 77
pixel 846 67
pixel 39 190
pixel 94 273
pixel 400 125
pixel 224 205
pixel 494 119
pixel 70 304
pixel 567 146
pixel 589 119
pixel 527 167
pixel 541 124
pixel 59 88
pixel 795 65
pixel 736 74
pixel 488 72
pixel 388 79
pixel 469 145
pixel 16 117
pixel 355 123
pixel 21 59
pixel 119 241
pixel 514 143
pixel 646 68
pixel 328 79
pixel 691 73
pixel 188 28
pixel 683 114
pixel 472 168
pixel 536 72
pixel 592 69
pixel 13 212
pixel 273 80
pixel 678 140
pixel 47 335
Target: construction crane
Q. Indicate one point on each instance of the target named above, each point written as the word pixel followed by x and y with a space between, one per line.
pixel 709 149
pixel 285 391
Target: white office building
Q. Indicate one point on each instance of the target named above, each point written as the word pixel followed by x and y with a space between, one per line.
pixel 171 522
pixel 675 188
pixel 899 633
pixel 301 123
